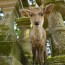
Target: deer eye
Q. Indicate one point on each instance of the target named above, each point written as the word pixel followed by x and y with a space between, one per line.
pixel 41 14
pixel 31 15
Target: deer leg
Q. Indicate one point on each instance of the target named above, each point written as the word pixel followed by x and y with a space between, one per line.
pixel 41 57
pixel 38 55
pixel 45 56
pixel 34 55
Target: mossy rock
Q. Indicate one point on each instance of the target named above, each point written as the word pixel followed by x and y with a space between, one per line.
pixel 4 27
pixel 57 60
pixel 3 31
pixel 16 51
pixel 10 48
pixel 9 60
pixel 5 47
pixel 23 21
pixel 25 3
pixel 53 1
pixel 3 62
pixel 2 36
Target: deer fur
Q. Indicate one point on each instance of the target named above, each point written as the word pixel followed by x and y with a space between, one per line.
pixel 37 32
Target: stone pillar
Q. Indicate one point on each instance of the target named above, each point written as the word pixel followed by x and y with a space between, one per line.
pixel 24 42
pixel 8 44
pixel 24 38
pixel 8 21
pixel 10 52
pixel 57 33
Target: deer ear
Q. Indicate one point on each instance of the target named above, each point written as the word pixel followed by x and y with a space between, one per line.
pixel 48 8
pixel 24 12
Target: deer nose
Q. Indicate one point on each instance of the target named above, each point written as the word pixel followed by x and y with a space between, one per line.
pixel 36 23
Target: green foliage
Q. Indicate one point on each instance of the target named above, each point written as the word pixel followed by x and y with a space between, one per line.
pixel 17 31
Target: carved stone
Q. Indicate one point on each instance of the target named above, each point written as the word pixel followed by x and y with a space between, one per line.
pixel 57 33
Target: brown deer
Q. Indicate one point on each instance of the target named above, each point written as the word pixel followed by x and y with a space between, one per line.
pixel 37 32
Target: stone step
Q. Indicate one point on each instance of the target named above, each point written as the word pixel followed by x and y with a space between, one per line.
pixel 56 60
pixel 57 64
pixel 9 60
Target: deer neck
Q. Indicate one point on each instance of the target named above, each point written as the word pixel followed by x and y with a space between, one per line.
pixel 38 32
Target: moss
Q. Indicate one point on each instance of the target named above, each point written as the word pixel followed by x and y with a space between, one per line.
pixel 6 60
pixel 9 60
pixel 4 27
pixel 25 3
pixel 38 2
pixel 23 21
pixel 2 37
pixel 10 48
pixel 57 60
pixel 53 1
pixel 16 51
pixel 3 62
pixel 5 48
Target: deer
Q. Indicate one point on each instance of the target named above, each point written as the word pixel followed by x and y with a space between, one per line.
pixel 37 32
